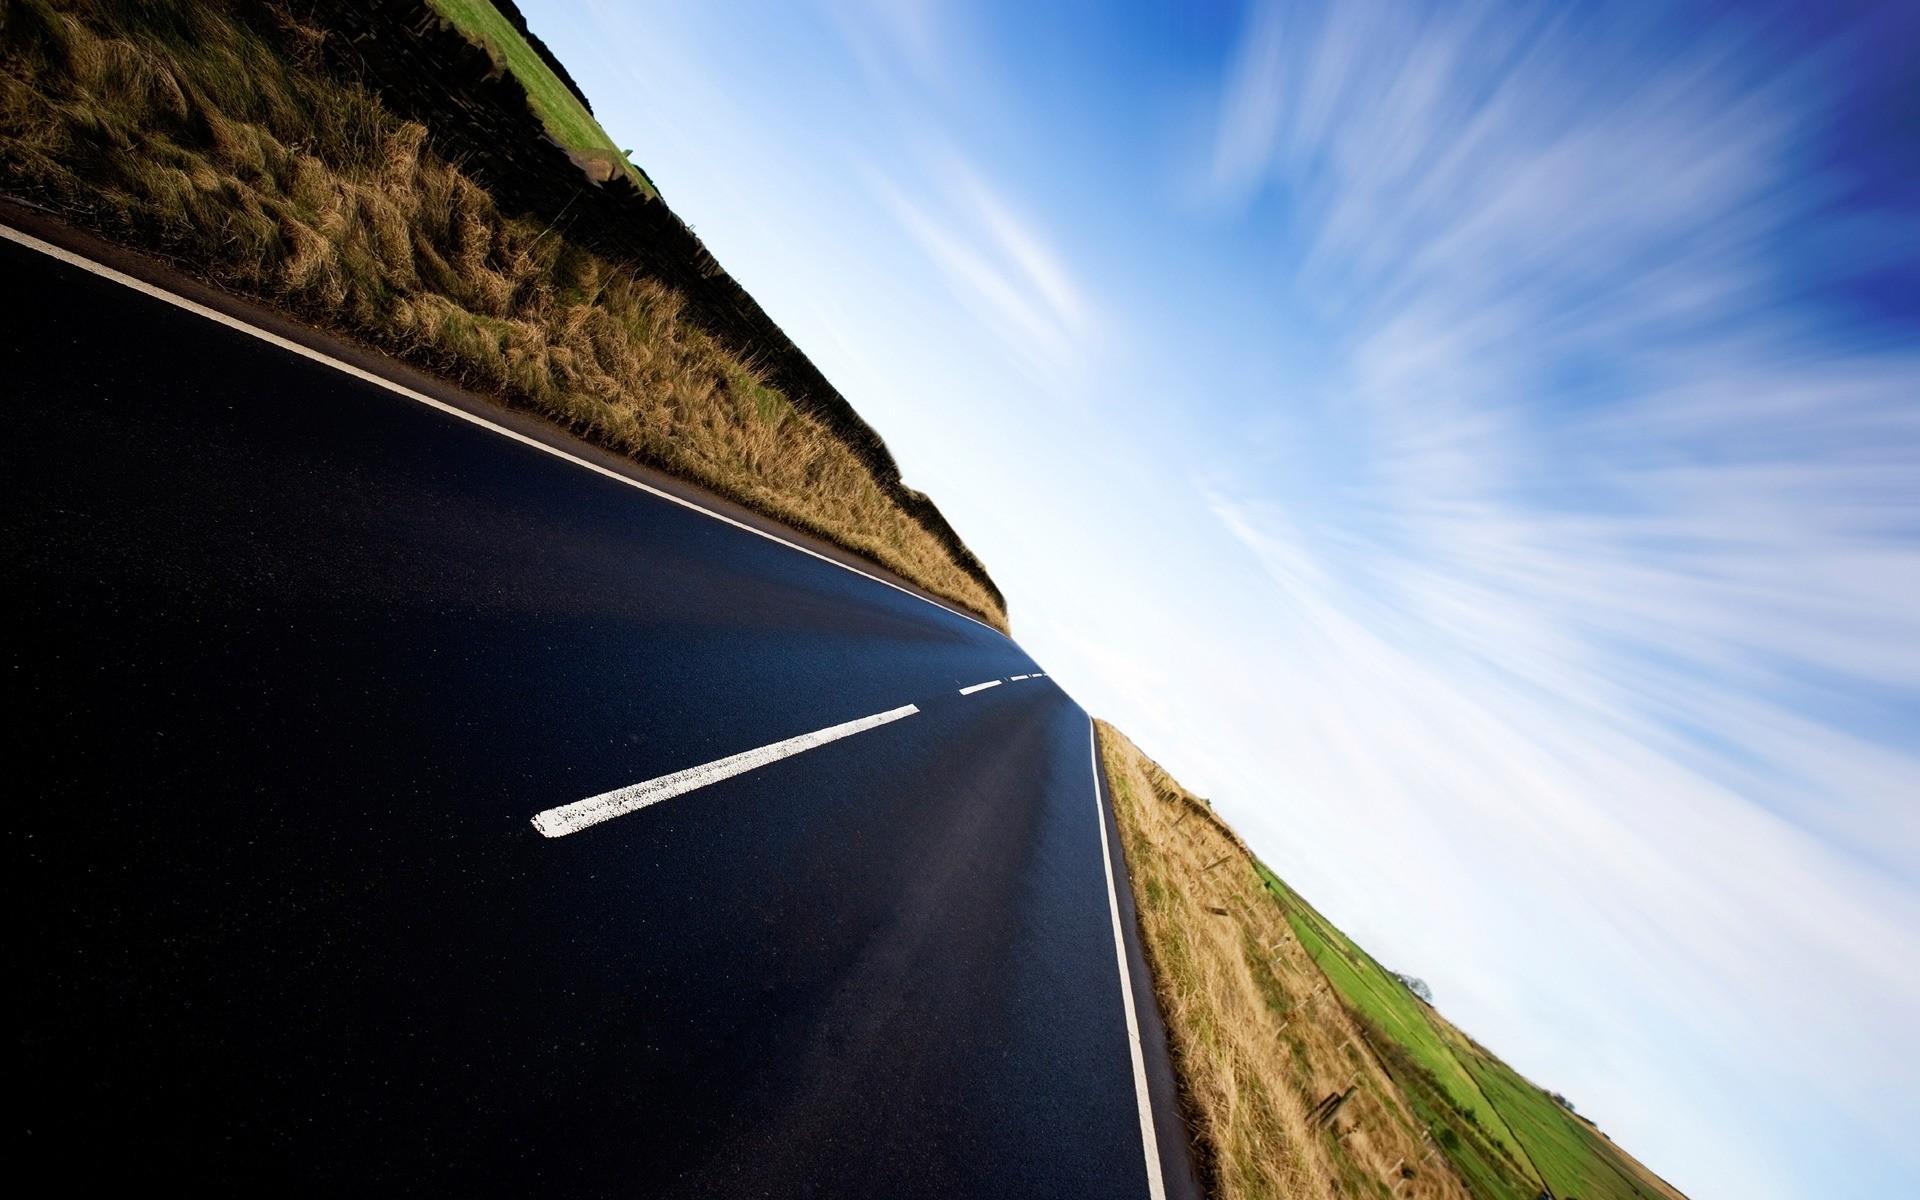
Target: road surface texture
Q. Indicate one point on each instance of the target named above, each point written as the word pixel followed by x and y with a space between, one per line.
pixel 296 663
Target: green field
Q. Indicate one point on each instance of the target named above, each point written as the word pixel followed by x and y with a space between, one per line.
pixel 1505 1135
pixel 567 120
pixel 1464 1123
pixel 1573 1156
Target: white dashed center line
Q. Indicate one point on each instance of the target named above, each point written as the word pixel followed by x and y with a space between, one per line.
pixel 572 818
pixel 581 814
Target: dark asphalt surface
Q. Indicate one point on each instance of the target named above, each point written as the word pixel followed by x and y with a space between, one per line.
pixel 293 663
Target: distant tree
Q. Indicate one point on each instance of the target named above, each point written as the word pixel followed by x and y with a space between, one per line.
pixel 1417 986
pixel 1562 1101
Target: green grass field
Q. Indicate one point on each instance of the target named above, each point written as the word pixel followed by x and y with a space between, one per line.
pixel 1385 1002
pixel 1573 1156
pixel 567 120
pixel 1506 1136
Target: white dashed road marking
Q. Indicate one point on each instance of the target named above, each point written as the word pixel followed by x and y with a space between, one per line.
pixel 572 818
pixel 980 687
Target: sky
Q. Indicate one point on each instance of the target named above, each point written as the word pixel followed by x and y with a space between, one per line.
pixel 1476 444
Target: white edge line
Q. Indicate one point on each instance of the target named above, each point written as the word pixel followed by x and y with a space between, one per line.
pixel 293 347
pixel 1156 1186
pixel 582 814
pixel 979 687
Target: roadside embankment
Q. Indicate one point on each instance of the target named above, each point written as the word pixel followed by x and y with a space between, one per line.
pixel 1283 1096
pixel 368 170
pixel 1306 1067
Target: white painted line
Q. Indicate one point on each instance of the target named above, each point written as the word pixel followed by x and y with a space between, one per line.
pixel 572 818
pixel 1017 678
pixel 979 687
pixel 292 347
pixel 1156 1186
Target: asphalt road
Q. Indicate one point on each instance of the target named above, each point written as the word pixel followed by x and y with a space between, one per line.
pixel 295 662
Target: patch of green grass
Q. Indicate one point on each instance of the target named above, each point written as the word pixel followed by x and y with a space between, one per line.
pixel 567 120
pixel 1462 1118
pixel 1575 1160
pixel 1385 1002
pixel 1505 1135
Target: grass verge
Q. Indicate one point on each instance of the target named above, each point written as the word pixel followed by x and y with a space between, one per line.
pixel 215 134
pixel 1284 1096
pixel 1467 1124
pixel 1306 1068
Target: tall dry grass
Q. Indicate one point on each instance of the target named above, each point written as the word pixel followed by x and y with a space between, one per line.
pixel 1260 1040
pixel 210 132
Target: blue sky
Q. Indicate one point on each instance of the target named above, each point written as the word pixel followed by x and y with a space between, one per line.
pixel 1478 445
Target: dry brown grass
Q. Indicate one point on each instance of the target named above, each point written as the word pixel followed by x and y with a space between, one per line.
pixel 1259 1038
pixel 208 132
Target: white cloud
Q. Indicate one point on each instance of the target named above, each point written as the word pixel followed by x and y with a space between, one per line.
pixel 1000 265
pixel 902 43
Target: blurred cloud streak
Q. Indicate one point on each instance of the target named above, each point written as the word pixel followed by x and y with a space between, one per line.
pixel 1609 545
pixel 1001 266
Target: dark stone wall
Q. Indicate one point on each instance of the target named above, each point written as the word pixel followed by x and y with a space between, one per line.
pixel 424 69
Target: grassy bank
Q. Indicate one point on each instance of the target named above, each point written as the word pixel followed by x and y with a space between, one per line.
pixel 1284 1095
pixel 1306 1067
pixel 218 135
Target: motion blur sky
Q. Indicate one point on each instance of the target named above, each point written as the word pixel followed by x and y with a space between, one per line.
pixel 1477 444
